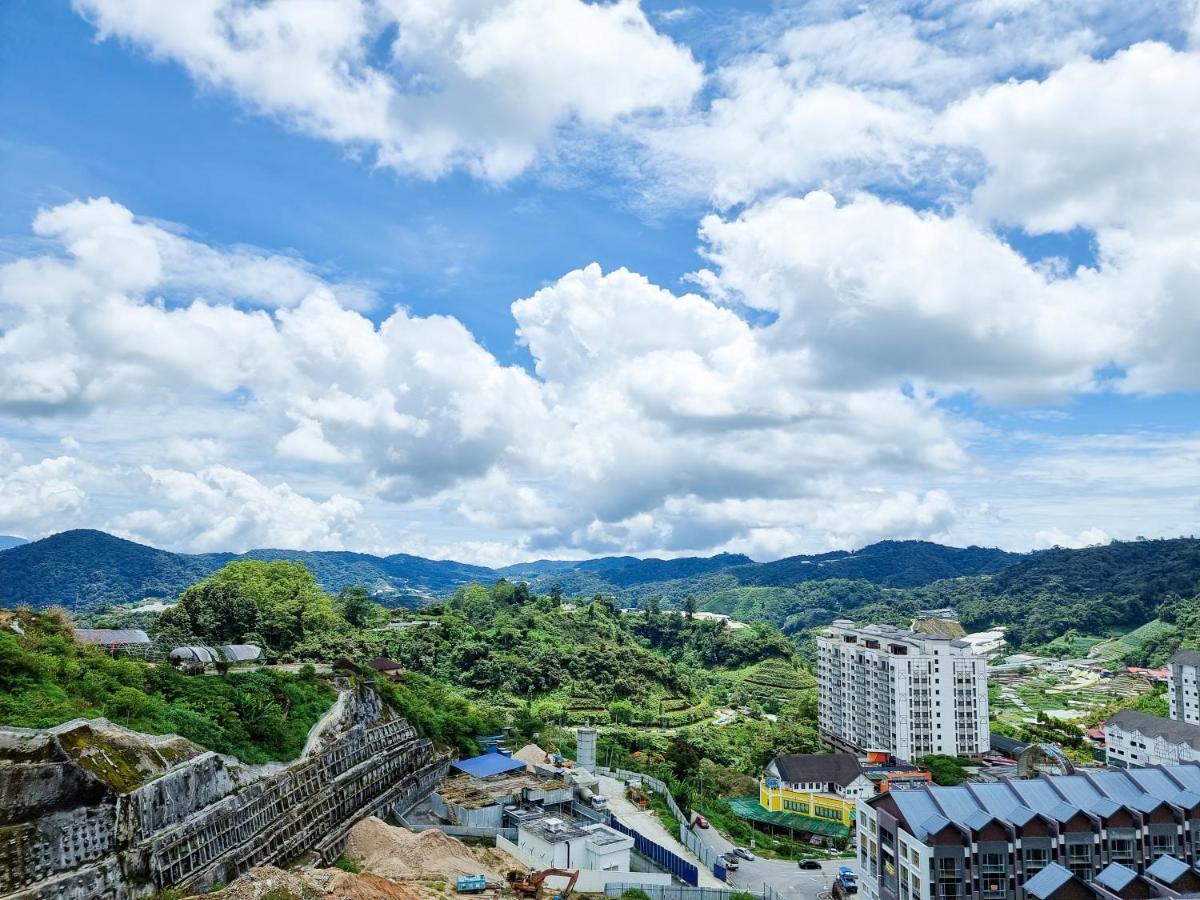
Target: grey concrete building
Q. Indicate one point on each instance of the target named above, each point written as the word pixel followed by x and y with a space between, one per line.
pixel 911 694
pixel 1183 694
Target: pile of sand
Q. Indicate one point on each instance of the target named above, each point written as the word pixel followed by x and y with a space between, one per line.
pixel 399 853
pixel 341 885
pixel 533 755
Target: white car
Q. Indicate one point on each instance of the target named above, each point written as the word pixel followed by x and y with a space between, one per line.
pixel 744 853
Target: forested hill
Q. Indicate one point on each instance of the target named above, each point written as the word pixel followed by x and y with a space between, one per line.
pixel 86 569
pixel 1119 586
pixel 8 540
pixel 887 563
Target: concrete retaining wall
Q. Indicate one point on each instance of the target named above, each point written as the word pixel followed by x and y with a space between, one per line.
pixel 204 820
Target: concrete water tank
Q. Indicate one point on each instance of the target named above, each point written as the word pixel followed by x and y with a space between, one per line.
pixel 585 753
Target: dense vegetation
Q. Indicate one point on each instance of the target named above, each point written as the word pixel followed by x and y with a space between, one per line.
pixel 1119 586
pixel 585 662
pixel 47 678
pixel 1106 591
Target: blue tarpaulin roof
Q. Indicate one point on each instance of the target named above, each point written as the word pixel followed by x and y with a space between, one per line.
pixel 488 764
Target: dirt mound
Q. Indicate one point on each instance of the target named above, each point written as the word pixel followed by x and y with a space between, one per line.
pixel 270 883
pixel 399 853
pixel 340 885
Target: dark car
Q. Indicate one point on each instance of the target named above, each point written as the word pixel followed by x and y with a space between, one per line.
pixel 809 864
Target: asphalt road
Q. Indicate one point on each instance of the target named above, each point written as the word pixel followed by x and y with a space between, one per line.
pixel 784 876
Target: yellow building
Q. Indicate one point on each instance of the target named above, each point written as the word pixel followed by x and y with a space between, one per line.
pixel 821 785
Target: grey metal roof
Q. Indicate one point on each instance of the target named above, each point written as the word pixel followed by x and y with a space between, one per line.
pixel 799 768
pixel 919 810
pixel 1004 744
pixel 1079 791
pixel 929 808
pixel 960 806
pixel 1158 783
pixel 1187 774
pixel 109 636
pixel 1185 658
pixel 1124 790
pixel 1047 881
pixel 1116 877
pixel 1167 868
pixel 1170 730
pixel 1002 802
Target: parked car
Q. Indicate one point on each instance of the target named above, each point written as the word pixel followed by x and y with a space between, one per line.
pixel 847 880
pixel 744 853
pixel 701 822
pixel 809 864
pixel 730 861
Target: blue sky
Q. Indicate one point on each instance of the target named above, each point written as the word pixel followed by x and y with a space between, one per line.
pixel 323 277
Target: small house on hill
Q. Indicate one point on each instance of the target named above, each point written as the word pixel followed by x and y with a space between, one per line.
pixel 388 668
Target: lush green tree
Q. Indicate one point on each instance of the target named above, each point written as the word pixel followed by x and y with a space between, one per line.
pixel 683 756
pixel 279 600
pixel 948 770
pixel 356 607
pixel 689 606
pixel 216 612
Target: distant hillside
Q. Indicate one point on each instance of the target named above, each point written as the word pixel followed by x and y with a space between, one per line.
pixel 8 540
pixel 89 569
pixel 719 581
pixel 86 569
pixel 888 563
pixel 1119 586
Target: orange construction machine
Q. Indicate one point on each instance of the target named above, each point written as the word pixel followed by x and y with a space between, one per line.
pixel 532 886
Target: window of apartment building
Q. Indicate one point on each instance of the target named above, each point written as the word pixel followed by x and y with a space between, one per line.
pixel 1079 859
pixel 1162 845
pixel 825 812
pixel 949 875
pixel 1122 846
pixel 1035 859
pixel 993 876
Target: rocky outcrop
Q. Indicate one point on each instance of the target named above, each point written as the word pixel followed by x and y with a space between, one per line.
pixel 89 809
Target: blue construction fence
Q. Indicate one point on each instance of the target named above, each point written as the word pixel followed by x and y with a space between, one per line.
pixel 659 855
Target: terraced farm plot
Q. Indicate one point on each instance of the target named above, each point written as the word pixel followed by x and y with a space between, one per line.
pixel 1071 695
pixel 775 679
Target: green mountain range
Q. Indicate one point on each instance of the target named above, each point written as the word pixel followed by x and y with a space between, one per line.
pixel 1103 591
pixel 85 569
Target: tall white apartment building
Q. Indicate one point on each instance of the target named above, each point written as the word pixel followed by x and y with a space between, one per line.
pixel 1182 697
pixel 884 688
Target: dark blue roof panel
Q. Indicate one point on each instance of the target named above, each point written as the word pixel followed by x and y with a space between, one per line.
pixel 488 764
